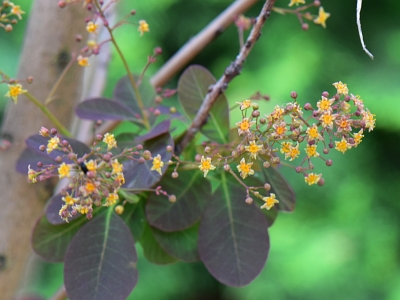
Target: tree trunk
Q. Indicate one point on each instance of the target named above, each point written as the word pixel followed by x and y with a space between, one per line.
pixel 49 41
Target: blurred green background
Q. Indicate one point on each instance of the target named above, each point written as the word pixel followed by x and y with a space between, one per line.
pixel 343 240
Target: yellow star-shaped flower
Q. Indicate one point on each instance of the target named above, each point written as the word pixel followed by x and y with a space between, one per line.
pixel 322 16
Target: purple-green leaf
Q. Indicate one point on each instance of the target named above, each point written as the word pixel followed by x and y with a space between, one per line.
pixel 50 242
pixel 192 193
pixel 152 249
pixel 233 236
pixel 105 109
pixel 139 176
pixel 193 86
pixel 281 188
pixel 32 154
pixel 125 94
pixel 135 218
pixel 100 263
pixel 52 210
pixel 179 244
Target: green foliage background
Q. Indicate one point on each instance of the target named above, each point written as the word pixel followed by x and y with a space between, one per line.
pixel 343 240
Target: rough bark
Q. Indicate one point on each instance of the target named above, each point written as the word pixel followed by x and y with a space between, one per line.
pixel 48 43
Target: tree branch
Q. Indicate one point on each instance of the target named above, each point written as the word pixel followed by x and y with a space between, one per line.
pixel 197 43
pixel 231 72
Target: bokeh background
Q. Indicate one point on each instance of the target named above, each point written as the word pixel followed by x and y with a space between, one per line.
pixel 343 240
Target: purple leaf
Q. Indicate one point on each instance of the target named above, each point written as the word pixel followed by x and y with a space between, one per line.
pixel 281 188
pixel 125 94
pixel 179 244
pixel 139 175
pixel 105 109
pixel 233 236
pixel 101 259
pixel 192 193
pixel 52 210
pixel 159 129
pixel 32 154
pixel 50 242
pixel 152 250
pixel 193 87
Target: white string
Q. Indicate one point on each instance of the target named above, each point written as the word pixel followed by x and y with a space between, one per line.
pixel 359 3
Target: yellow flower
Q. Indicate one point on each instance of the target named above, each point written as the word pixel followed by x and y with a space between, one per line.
pixel 358 137
pixel 244 126
pixel 311 151
pixel 326 120
pixel 157 164
pixel 280 129
pixel 64 213
pixel 322 16
pixel 111 199
pixel 342 146
pixel 52 144
pixel 312 178
pixel 120 178
pixel 91 165
pixel 297 2
pixel 16 10
pixel 313 133
pixel 64 171
pixel 285 147
pixel 324 105
pixel 110 141
pixel 117 167
pixel 89 188
pixel 245 169
pixel 293 152
pixel 369 120
pixel 269 201
pixel 341 88
pixel 276 114
pixel 245 104
pixel 14 90
pixel 143 27
pixel 69 200
pixel 91 27
pixel 253 149
pixel 206 165
pixel 83 61
pixel 32 174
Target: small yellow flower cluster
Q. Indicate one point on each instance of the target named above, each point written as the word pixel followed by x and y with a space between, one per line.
pixel 8 12
pixel 93 182
pixel 285 129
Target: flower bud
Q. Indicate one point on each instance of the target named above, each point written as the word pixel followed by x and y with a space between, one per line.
pixel 227 167
pixel 249 200
pixel 207 149
pixel 267 186
pixel 174 175
pixel 293 95
pixel 119 209
pixel 329 162
pixel 169 148
pixel 62 4
pixel 146 154
pixel 305 26
pixel 172 198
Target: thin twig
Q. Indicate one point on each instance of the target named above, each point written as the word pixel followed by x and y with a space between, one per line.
pixel 201 40
pixel 231 72
pixel 359 4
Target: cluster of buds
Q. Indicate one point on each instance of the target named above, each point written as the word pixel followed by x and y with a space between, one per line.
pixel 337 122
pixel 9 12
pixel 98 9
pixel 94 179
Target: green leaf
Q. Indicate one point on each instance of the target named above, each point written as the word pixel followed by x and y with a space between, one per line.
pixel 192 193
pixel 152 249
pixel 100 262
pixel 51 241
pixel 193 86
pixel 180 244
pixel 135 218
pixel 233 236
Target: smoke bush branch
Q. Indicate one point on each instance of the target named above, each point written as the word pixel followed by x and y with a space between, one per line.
pixel 231 72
